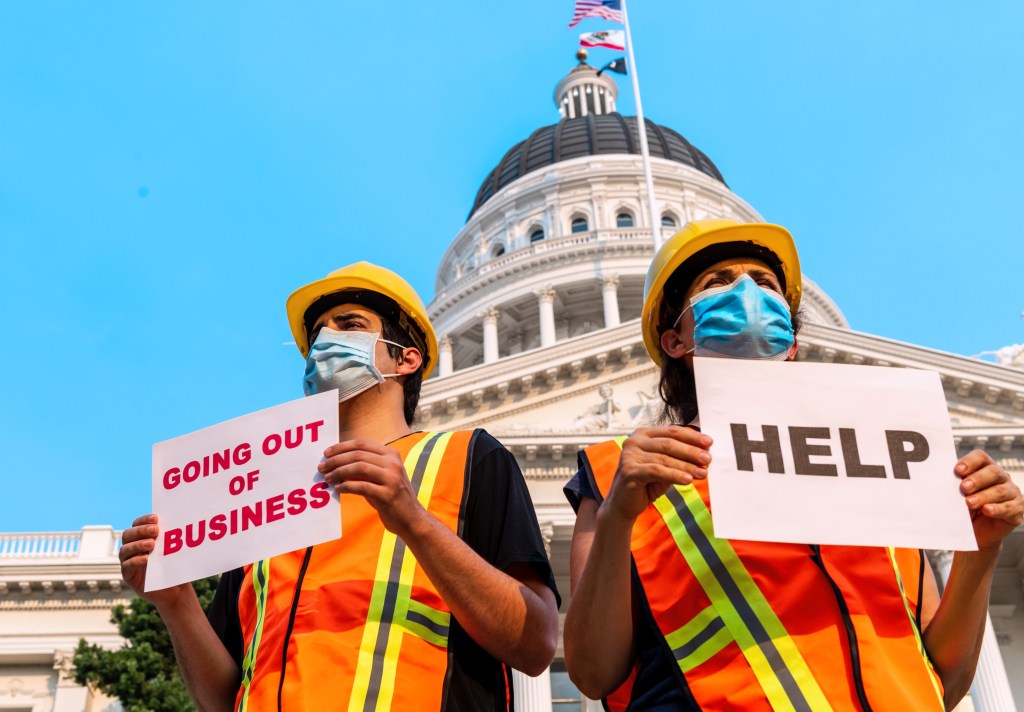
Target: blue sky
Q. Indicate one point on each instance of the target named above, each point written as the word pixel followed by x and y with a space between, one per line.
pixel 169 173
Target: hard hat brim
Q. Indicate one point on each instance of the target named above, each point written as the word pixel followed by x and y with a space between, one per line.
pixel 304 297
pixel 683 246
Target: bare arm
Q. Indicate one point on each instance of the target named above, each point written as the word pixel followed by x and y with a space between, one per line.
pixel 209 671
pixel 598 633
pixel 955 627
pixel 598 656
pixel 513 617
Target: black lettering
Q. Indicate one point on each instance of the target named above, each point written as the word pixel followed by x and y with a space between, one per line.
pixel 770 447
pixel 897 441
pixel 803 451
pixel 851 455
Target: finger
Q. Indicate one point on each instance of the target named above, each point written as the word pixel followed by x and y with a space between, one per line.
pixel 136 566
pixel 676 450
pixel 146 531
pixel 144 519
pixel 972 462
pixel 1005 492
pixel 676 432
pixel 358 471
pixel 1010 512
pixel 352 445
pixel 653 473
pixel 366 490
pixel 985 478
pixel 136 548
pixel 354 456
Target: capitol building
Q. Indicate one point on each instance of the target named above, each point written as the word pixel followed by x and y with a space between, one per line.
pixel 536 305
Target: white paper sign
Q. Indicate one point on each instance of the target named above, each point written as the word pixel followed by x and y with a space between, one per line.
pixel 243 490
pixel 819 453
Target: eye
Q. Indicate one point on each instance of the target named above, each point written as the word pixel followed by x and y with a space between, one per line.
pixel 714 282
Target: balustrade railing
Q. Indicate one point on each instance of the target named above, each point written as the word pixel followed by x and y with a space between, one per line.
pixel 90 543
pixel 561 244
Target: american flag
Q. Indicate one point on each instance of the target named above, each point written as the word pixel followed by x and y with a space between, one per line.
pixel 608 9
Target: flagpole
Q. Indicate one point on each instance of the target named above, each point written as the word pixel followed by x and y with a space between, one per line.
pixel 641 129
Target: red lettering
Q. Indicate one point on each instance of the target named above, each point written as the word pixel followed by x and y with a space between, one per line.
pixel 242 454
pixel 221 460
pixel 191 473
pixel 194 540
pixel 314 430
pixel 271 444
pixel 218 526
pixel 172 478
pixel 292 443
pixel 172 541
pixel 275 508
pixel 252 516
pixel 234 522
pixel 297 501
pixel 319 496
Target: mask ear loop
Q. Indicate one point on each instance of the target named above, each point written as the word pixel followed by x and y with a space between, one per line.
pixel 401 346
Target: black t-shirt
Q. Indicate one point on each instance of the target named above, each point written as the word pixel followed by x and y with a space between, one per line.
pixel 500 526
pixel 659 685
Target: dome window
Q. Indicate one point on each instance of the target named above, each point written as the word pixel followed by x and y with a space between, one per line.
pixel 624 219
pixel 498 251
pixel 537 235
pixel 579 225
pixel 668 221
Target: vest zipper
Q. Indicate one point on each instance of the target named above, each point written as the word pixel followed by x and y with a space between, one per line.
pixel 291 623
pixel 851 633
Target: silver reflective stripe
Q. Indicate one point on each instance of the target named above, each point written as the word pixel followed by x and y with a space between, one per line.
pixel 391 596
pixel 739 602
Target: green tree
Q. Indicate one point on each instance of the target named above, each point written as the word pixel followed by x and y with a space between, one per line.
pixel 142 674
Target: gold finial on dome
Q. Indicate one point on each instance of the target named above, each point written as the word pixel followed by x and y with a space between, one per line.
pixel 581 54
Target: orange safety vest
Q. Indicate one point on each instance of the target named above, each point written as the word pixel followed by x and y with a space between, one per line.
pixel 762 626
pixel 354 623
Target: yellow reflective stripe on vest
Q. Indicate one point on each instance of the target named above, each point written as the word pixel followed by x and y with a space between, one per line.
pixel 699 640
pixel 374 683
pixel 913 624
pixel 425 622
pixel 772 655
pixel 260 583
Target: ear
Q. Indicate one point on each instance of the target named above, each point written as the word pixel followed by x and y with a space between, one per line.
pixel 673 345
pixel 793 350
pixel 410 361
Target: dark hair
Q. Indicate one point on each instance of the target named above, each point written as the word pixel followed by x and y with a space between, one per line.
pixel 676 385
pixel 411 383
pixel 390 316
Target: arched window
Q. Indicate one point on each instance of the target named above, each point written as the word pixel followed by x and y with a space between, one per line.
pixel 537 235
pixel 498 251
pixel 624 219
pixel 668 221
pixel 579 225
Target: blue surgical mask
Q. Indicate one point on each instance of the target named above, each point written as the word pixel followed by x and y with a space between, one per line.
pixel 741 320
pixel 344 360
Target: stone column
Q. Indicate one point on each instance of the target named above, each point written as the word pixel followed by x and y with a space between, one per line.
pixel 491 335
pixel 609 291
pixel 532 694
pixel 546 300
pixel 990 691
pixel 445 365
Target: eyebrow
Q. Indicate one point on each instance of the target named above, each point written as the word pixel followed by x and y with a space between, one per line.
pixel 730 272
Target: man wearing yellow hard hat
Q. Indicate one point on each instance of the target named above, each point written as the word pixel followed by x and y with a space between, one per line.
pixel 440 584
pixel 666 616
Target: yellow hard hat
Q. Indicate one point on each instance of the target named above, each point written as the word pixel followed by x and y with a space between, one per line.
pixel 363 278
pixel 762 239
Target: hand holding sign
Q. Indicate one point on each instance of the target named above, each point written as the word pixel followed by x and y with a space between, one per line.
pixel 652 460
pixel 995 502
pixel 377 473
